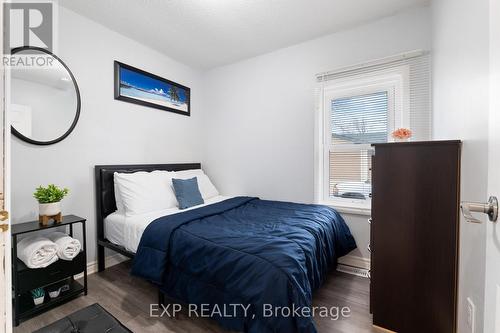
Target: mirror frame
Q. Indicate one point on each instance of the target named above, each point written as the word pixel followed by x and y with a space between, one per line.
pixel 78 101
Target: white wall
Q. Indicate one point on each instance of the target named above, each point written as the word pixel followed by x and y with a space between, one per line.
pixel 259 122
pixel 461 65
pixel 109 131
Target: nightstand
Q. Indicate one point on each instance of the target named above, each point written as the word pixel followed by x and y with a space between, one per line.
pixel 25 279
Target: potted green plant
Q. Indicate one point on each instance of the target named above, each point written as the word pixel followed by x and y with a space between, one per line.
pixel 49 199
pixel 38 295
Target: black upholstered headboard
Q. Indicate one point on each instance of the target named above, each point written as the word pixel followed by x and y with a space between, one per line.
pixel 104 185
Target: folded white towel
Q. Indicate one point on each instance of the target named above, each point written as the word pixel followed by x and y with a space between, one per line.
pixel 68 247
pixel 37 252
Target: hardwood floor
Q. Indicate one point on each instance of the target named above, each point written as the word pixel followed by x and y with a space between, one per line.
pixel 129 298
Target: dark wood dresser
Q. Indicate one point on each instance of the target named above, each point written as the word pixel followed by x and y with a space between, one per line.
pixel 415 235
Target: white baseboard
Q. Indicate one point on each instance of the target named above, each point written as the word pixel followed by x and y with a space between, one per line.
pixel 111 260
pixel 355 261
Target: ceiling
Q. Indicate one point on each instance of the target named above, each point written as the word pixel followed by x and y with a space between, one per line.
pixel 210 33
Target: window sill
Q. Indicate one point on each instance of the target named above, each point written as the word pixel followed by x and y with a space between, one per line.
pixel 348 209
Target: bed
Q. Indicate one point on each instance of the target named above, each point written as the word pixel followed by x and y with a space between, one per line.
pixel 259 254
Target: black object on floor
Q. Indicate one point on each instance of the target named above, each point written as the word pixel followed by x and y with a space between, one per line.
pixel 92 319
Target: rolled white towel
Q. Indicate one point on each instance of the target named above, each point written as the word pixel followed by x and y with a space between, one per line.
pixel 68 247
pixel 37 252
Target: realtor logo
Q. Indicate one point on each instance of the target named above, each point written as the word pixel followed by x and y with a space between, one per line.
pixel 29 24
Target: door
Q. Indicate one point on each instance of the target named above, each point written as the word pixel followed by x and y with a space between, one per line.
pixel 492 285
pixel 5 250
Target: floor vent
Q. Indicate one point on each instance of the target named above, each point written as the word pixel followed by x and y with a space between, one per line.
pixel 353 270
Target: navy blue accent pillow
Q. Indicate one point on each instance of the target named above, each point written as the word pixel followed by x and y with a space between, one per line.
pixel 187 192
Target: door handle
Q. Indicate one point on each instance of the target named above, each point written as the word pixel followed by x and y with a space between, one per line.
pixel 490 208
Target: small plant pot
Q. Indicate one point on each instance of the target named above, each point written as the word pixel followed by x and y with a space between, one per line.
pixel 49 209
pixel 401 140
pixel 38 300
pixel 38 295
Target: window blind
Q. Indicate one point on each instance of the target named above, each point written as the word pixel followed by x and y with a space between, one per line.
pixel 360 119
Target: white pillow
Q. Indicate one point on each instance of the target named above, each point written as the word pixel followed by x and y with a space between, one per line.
pixel 118 198
pixel 144 192
pixel 207 189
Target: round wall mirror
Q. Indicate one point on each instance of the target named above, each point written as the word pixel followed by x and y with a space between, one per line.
pixel 45 100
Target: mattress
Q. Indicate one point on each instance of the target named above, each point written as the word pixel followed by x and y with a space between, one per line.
pixel 127 231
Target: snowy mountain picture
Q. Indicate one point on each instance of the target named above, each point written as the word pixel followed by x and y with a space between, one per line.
pixel 140 87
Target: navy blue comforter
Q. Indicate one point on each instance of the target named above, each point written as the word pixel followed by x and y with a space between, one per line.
pixel 261 254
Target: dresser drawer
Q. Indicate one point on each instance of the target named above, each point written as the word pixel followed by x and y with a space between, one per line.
pixel 29 278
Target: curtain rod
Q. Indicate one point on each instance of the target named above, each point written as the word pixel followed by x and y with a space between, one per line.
pixel 381 61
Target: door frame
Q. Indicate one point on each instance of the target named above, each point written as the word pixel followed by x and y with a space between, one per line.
pixel 5 318
pixel 492 238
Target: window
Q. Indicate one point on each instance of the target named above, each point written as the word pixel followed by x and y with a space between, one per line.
pixel 357 111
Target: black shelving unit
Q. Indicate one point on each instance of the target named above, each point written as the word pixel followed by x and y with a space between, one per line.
pixel 26 279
